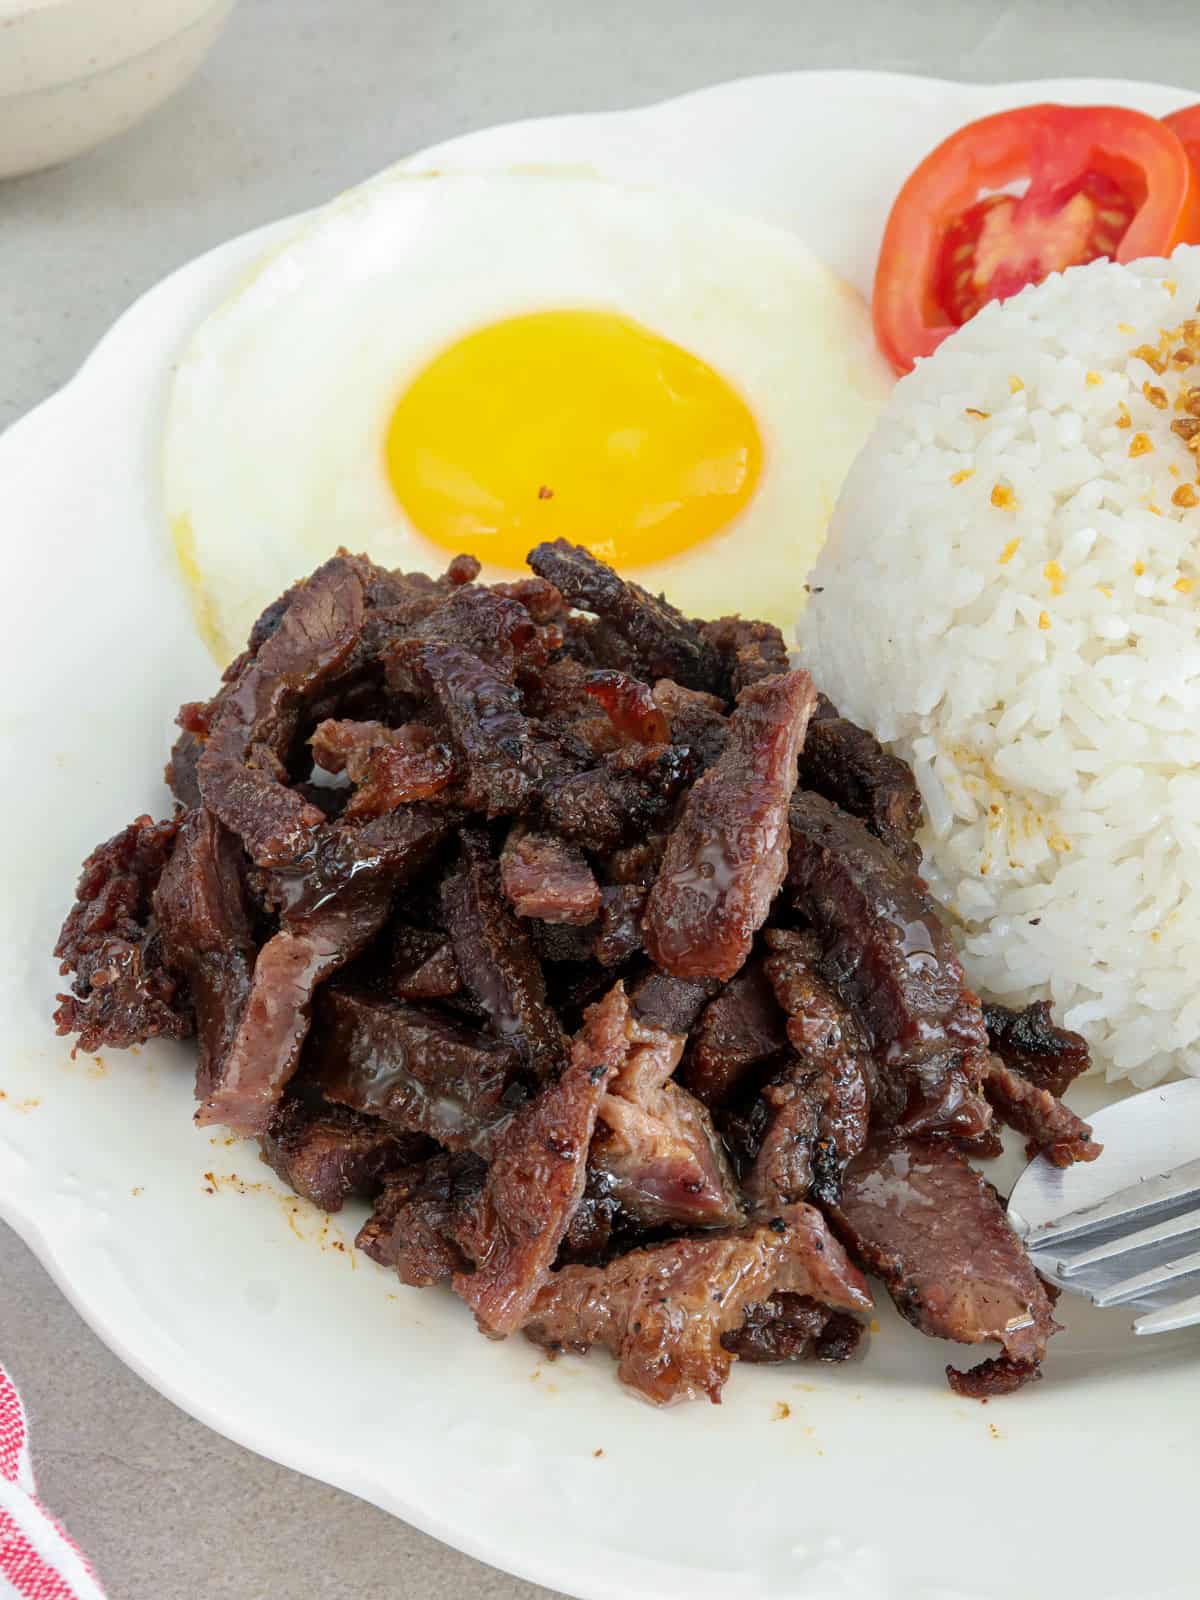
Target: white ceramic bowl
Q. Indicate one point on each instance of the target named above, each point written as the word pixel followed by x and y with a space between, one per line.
pixel 75 72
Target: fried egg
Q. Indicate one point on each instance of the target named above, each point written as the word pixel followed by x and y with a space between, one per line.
pixel 436 364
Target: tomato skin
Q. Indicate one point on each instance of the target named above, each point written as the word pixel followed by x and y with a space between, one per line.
pixel 1185 125
pixel 1052 147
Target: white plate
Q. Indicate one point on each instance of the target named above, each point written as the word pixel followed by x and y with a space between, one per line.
pixel 250 1310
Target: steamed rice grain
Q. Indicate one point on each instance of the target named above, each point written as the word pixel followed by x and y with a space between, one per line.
pixel 1010 598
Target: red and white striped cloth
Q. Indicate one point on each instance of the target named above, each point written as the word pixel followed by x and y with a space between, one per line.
pixel 37 1559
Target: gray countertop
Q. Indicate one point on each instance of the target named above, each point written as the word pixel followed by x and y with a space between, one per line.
pixel 300 99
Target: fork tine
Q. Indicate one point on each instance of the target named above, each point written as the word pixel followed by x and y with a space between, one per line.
pixel 1161 1233
pixel 1135 1204
pixel 1148 1282
pixel 1183 1314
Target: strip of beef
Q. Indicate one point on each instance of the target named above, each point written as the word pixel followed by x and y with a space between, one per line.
pixel 1051 1128
pixel 435 978
pixel 415 1069
pixel 537 1175
pixel 496 960
pixel 544 877
pixel 740 1027
pixel 618 934
pixel 728 852
pixel 204 917
pixel 997 1376
pixel 327 1153
pixel 793 1327
pixel 849 766
pixel 123 992
pixel 672 1004
pixel 695 719
pixel 559 698
pixel 660 640
pixel 886 952
pixel 627 796
pixel 331 912
pixel 924 1220
pixel 495 628
pixel 748 651
pixel 630 706
pixel 662 1310
pixel 389 767
pixel 826 1098
pixel 1030 1043
pixel 421 1218
pixel 542 600
pixel 783 1168
pixel 180 775
pixel 656 1143
pixel 262 707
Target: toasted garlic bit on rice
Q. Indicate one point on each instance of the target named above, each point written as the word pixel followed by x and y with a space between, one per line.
pixel 1055 733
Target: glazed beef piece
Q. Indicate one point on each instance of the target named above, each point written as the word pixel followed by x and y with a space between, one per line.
pixel 388 767
pixel 205 922
pixel 1029 1042
pixel 886 952
pixel 655 1143
pixel 537 1174
pixel 660 641
pixel 662 1311
pixel 618 932
pixel 331 912
pixel 327 1153
pixel 1052 1129
pixel 926 1222
pixel 849 766
pixel 258 715
pixel 793 1327
pixel 740 1027
pixel 415 1069
pixel 421 1218
pixel 122 992
pixel 544 877
pixel 630 706
pixel 496 960
pixel 748 651
pixel 997 1376
pixel 728 852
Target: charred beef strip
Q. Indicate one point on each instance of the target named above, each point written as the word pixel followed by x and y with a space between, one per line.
pixel 672 1004
pixel 727 854
pixel 1031 1043
pixel 415 1069
pixel 741 1026
pixel 496 960
pixel 662 1311
pixel 660 640
pixel 205 920
pixel 631 707
pixel 331 912
pixel 849 766
pixel 537 1175
pixel 262 707
pixel 122 992
pixel 926 1222
pixel 748 651
pixel 421 1216
pixel 695 719
pixel 629 794
pixel 793 1327
pixel 327 1153
pixel 1052 1129
pixel 655 1144
pixel 886 952
pixel 544 877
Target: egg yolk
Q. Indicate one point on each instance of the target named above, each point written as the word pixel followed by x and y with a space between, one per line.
pixel 577 423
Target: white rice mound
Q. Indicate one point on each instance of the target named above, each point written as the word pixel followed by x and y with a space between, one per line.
pixel 1010 598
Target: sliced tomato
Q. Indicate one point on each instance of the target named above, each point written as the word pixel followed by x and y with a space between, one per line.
pixel 1009 199
pixel 1185 125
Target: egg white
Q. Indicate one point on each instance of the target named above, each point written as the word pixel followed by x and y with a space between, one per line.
pixel 278 411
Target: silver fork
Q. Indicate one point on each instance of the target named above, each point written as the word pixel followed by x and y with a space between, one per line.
pixel 1125 1230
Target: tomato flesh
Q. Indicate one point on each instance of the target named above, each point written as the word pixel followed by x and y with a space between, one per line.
pixel 1002 242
